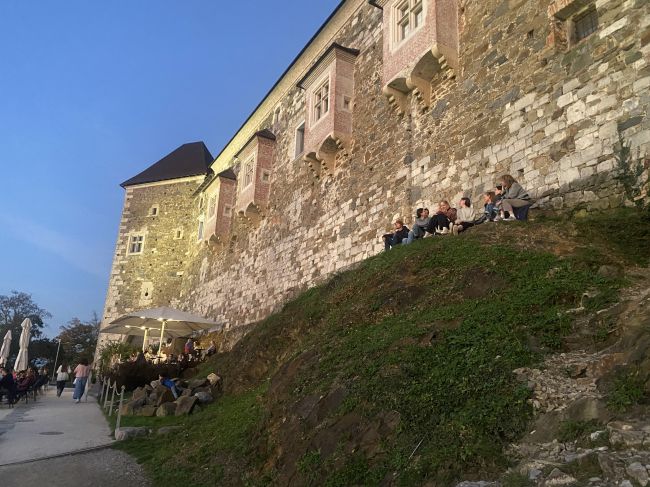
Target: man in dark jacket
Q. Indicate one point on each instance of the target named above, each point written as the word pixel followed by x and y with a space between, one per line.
pixel 7 385
pixel 392 239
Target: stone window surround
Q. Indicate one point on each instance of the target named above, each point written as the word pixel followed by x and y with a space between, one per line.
pixel 562 15
pixel 154 210
pixel 325 80
pixel 248 172
pixel 178 234
pixel 137 240
pixel 200 228
pixel 227 210
pixel 414 7
pixel 299 137
pixel 212 205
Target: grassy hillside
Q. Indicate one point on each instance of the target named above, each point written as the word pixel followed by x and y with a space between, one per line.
pixel 399 372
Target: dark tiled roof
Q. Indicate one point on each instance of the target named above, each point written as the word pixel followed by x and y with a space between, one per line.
pixel 334 45
pixel 266 134
pixel 191 159
pixel 228 174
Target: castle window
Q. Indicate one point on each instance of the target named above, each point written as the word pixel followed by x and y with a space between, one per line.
pixel 408 17
pixel 199 232
pixel 321 101
pixel 227 210
pixel 212 205
pixel 178 234
pixel 300 139
pixel 153 211
pixel 266 176
pixel 249 171
pixel 136 242
pixel 347 103
pixel 585 24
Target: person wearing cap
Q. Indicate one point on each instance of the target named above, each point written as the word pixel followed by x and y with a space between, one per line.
pixel 400 234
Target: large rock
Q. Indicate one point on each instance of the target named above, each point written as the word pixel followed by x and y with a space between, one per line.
pixel 164 396
pixel 154 384
pixel 186 392
pixel 139 393
pixel 195 383
pixel 147 411
pixel 204 397
pixel 132 407
pixel 185 404
pixel 638 472
pixel 214 379
pixel 130 432
pixel 166 409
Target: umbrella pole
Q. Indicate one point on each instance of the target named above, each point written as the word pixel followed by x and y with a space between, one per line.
pixel 56 359
pixel 144 341
pixel 162 334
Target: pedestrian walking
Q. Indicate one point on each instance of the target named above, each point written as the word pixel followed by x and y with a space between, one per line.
pixel 81 373
pixel 62 376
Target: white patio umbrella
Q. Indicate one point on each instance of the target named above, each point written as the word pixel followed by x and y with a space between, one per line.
pixel 21 360
pixel 4 351
pixel 166 321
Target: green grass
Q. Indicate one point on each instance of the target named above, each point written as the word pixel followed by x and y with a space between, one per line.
pixel 627 391
pixel 431 331
pixel 209 441
pixel 578 430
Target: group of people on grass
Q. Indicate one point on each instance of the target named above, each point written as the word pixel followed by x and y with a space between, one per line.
pixel 500 204
pixel 192 352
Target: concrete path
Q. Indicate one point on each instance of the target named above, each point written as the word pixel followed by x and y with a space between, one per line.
pixel 50 426
pixel 101 468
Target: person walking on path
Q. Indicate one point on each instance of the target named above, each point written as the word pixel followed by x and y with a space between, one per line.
pixel 62 376
pixel 81 373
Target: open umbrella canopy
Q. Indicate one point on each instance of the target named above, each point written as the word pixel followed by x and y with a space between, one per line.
pixel 4 351
pixel 150 322
pixel 21 360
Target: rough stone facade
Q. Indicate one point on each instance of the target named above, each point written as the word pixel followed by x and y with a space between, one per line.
pixel 520 100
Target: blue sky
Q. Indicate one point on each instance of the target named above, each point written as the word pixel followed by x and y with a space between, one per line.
pixel 91 93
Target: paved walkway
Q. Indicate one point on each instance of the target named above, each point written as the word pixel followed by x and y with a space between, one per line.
pixel 50 426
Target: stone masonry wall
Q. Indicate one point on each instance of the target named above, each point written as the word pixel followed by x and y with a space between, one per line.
pixel 152 278
pixel 519 104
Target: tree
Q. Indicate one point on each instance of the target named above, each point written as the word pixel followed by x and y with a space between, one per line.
pixel 79 338
pixel 13 310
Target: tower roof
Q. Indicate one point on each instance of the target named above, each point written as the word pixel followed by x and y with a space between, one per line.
pixel 191 159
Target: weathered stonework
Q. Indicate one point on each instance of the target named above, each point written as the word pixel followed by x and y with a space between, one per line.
pixel 519 103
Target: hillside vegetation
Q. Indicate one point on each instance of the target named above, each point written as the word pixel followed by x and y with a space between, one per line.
pixel 400 371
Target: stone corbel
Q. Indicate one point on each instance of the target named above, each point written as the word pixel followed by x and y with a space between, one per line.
pixel 447 71
pixel 252 215
pixel 398 100
pixel 323 161
pixel 421 89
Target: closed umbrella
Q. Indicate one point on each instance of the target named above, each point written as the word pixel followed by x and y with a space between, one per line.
pixel 164 321
pixel 4 351
pixel 21 360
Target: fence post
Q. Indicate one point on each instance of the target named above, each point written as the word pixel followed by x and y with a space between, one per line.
pixel 104 389
pixel 108 390
pixel 119 411
pixel 110 410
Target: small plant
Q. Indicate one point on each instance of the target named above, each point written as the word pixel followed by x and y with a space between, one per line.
pixel 626 392
pixel 577 430
pixel 516 479
pixel 114 352
pixel 630 172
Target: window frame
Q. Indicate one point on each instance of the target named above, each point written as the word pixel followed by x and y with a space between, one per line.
pixel 249 164
pixel 227 210
pixel 132 242
pixel 299 129
pixel 212 205
pixel 200 231
pixel 407 18
pixel 588 13
pixel 317 99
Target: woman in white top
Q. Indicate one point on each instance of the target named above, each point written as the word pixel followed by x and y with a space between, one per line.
pixel 465 216
pixel 62 376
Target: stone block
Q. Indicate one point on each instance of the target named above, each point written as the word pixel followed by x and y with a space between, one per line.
pixel 127 433
pixel 185 404
pixel 147 411
pixel 164 395
pixel 166 409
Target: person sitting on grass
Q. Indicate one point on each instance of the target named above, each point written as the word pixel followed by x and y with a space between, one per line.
pixel 442 220
pixel 490 209
pixel 400 234
pixel 420 225
pixel 465 216
pixel 169 384
pixel 514 196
